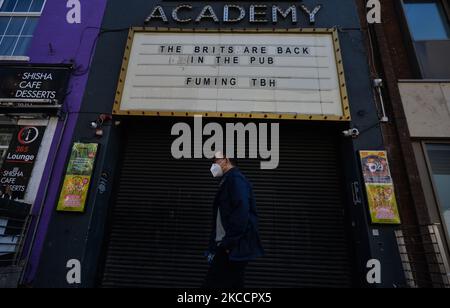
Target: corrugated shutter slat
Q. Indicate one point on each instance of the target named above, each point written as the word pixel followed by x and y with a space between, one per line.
pixel 161 216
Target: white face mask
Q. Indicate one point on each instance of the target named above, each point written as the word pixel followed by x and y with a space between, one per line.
pixel 216 170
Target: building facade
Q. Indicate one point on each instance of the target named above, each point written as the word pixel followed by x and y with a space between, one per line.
pixel 111 111
pixel 44 57
pixel 410 48
pixel 146 219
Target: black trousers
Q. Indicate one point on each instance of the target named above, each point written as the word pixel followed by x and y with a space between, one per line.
pixel 225 274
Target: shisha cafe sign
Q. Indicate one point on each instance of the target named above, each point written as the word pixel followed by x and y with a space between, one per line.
pixel 232 13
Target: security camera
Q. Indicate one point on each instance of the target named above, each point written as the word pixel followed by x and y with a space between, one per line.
pixel 352 132
pixel 103 118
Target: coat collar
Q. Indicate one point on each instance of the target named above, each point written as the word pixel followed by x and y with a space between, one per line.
pixel 227 175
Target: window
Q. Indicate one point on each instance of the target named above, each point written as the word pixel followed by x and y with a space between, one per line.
pixel 439 157
pixel 18 20
pixel 427 20
pixel 5 139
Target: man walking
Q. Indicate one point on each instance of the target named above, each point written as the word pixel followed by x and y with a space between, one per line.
pixel 234 240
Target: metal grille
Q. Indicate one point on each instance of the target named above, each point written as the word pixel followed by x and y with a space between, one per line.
pixel 162 215
pixel 14 220
pixel 422 252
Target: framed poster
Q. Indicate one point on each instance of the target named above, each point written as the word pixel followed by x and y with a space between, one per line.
pixel 379 187
pixel 78 177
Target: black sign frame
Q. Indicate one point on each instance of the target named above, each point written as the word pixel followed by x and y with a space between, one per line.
pixel 17 167
pixel 33 88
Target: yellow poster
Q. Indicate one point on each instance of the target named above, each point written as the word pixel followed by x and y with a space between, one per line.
pixel 74 193
pixel 78 178
pixel 382 204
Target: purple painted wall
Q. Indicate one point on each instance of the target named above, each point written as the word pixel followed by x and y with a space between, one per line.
pixel 56 41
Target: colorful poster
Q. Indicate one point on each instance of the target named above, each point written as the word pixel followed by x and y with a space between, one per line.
pixel 78 177
pixel 375 167
pixel 379 187
pixel 382 203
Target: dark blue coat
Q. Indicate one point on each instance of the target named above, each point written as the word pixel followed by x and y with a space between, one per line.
pixel 237 206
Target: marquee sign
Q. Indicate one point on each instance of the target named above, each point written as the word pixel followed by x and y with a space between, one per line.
pixel 296 74
pixel 232 13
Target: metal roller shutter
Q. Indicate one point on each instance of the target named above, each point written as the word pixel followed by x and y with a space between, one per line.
pixel 161 218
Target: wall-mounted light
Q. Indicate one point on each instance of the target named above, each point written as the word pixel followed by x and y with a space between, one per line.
pixel 378 84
